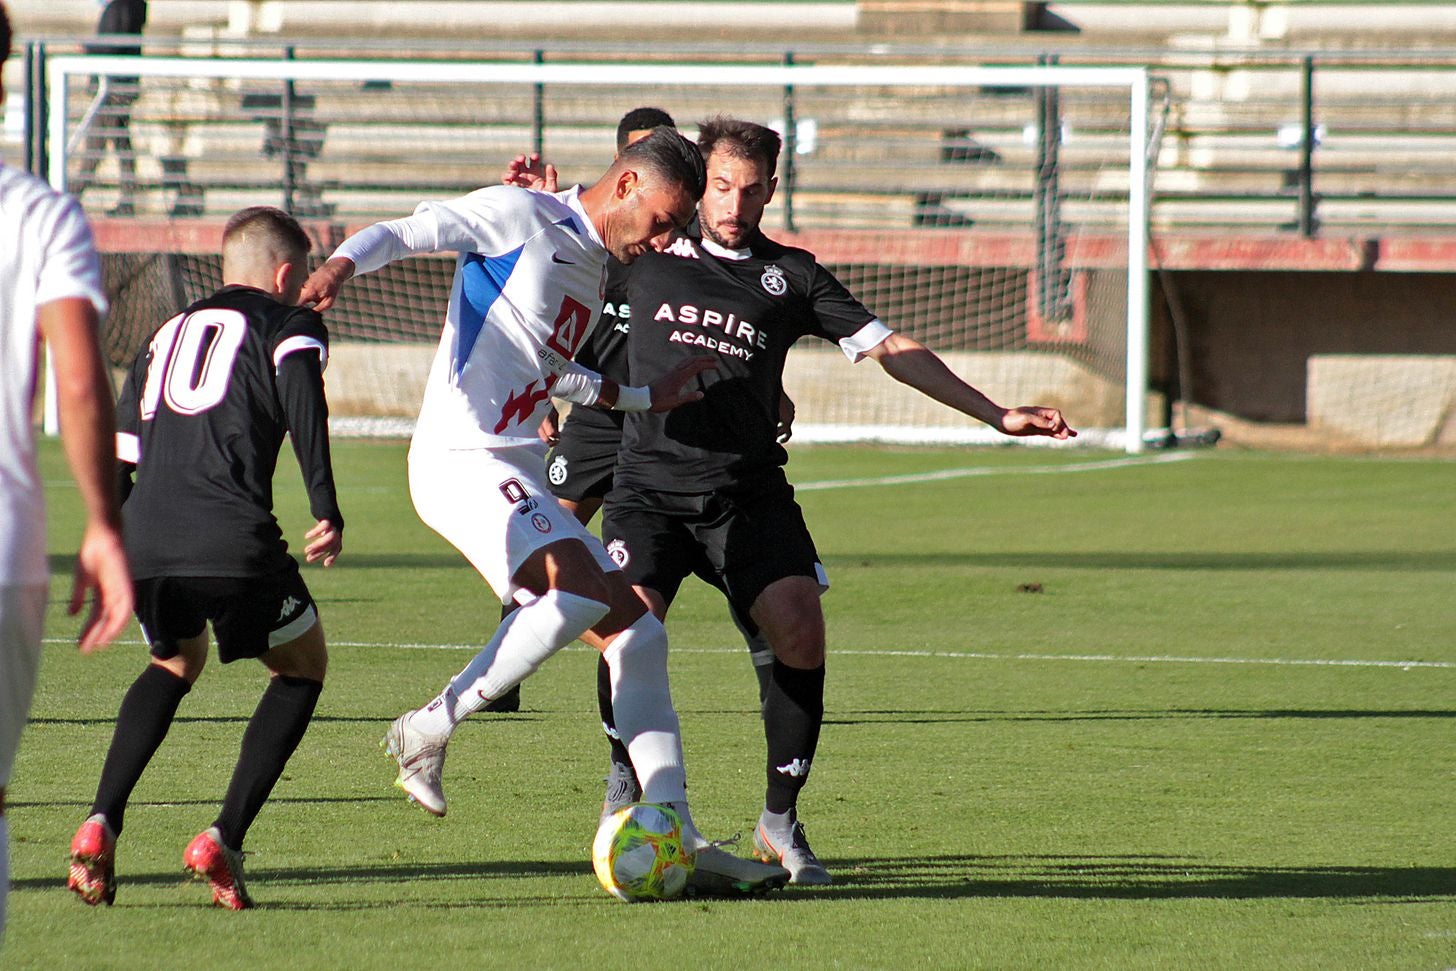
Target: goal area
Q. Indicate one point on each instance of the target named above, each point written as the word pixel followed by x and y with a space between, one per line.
pixel 998 214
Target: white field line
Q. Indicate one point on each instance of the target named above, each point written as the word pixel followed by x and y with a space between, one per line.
pixel 981 470
pixel 961 655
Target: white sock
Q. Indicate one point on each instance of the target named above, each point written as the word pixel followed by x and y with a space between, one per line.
pixel 4 871
pixel 522 643
pixel 646 720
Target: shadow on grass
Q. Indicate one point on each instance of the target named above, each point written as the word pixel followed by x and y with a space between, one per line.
pixel 950 877
pixel 1134 878
pixel 925 717
pixel 1424 560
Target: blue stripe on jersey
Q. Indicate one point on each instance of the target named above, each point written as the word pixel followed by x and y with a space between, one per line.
pixel 570 223
pixel 482 280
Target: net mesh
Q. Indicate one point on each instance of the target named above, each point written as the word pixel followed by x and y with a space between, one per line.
pixel 988 222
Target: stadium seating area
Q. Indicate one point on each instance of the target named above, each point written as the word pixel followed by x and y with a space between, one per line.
pixel 1229 156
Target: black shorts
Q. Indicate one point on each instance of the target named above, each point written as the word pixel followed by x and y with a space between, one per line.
pixel 580 465
pixel 248 614
pixel 740 539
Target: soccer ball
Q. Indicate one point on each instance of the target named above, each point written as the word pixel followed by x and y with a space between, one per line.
pixel 638 853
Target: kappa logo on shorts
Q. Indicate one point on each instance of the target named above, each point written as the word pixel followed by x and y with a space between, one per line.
pixel 773 280
pixel 290 604
pixel 556 471
pixel 617 550
pixel 542 524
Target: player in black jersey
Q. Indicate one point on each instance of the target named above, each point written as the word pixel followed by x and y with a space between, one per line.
pixel 705 484
pixel 584 446
pixel 201 420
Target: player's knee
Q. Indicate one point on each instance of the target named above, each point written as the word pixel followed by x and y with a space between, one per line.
pixel 304 657
pixel 574 614
pixel 639 649
pixel 799 647
pixel 184 665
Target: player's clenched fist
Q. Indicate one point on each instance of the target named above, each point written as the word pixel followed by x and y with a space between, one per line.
pixel 1036 420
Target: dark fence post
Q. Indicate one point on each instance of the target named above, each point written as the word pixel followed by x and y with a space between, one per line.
pixel 791 139
pixel 538 120
pixel 36 151
pixel 1051 276
pixel 1307 222
pixel 286 139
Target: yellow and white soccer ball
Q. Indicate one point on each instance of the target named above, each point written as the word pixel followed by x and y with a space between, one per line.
pixel 638 853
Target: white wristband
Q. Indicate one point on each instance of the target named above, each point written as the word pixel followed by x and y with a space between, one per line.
pixel 633 399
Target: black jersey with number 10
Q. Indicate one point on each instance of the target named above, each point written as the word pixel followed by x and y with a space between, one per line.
pixel 203 413
pixel 746 313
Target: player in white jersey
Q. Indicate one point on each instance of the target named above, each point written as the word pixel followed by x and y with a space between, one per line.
pixel 50 287
pixel 528 285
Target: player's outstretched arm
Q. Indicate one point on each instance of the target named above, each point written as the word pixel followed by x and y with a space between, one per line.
pixel 910 362
pixel 88 433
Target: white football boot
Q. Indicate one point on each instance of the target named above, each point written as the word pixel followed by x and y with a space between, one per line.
pixel 421 758
pixel 788 846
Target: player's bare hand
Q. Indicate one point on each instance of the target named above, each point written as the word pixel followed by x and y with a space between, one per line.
pixel 322 286
pixel 550 430
pixel 669 391
pixel 784 430
pixel 529 172
pixel 1036 420
pixel 325 543
pixel 101 567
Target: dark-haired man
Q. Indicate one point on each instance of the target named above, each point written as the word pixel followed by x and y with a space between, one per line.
pixel 705 484
pixel 201 419
pixel 528 284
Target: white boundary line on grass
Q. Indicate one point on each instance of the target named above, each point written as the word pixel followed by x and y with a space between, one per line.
pixel 912 478
pixel 960 655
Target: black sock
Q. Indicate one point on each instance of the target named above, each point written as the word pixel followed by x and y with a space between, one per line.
pixel 274 731
pixel 764 674
pixel 604 707
pixel 141 724
pixel 792 714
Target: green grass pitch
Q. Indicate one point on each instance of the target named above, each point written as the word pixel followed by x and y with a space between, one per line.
pixel 1187 748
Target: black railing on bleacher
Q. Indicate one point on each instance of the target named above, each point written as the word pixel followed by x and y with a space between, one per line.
pixel 1287 141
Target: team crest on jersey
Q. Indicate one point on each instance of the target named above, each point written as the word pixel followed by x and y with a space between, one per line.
pixel 773 280
pixel 542 524
pixel 556 471
pixel 617 550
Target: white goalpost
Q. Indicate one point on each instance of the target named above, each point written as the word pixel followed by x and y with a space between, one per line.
pixel 999 214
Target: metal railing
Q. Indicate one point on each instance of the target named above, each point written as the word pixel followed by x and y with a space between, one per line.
pixel 1293 142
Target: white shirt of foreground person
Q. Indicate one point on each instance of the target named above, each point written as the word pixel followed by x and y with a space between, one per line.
pixel 48 255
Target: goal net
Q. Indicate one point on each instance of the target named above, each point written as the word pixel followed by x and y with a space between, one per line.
pixel 997 214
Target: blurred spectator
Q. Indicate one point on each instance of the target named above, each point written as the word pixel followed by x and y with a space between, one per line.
pixel 112 100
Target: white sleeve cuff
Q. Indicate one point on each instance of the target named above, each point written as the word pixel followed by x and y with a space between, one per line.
pixel 128 448
pixel 864 340
pixel 633 399
pixel 291 344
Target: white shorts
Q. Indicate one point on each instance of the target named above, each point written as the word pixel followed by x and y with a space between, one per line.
pixel 493 505
pixel 22 615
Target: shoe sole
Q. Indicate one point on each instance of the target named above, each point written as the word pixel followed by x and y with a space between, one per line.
pixel 81 881
pixel 722 886
pixel 387 744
